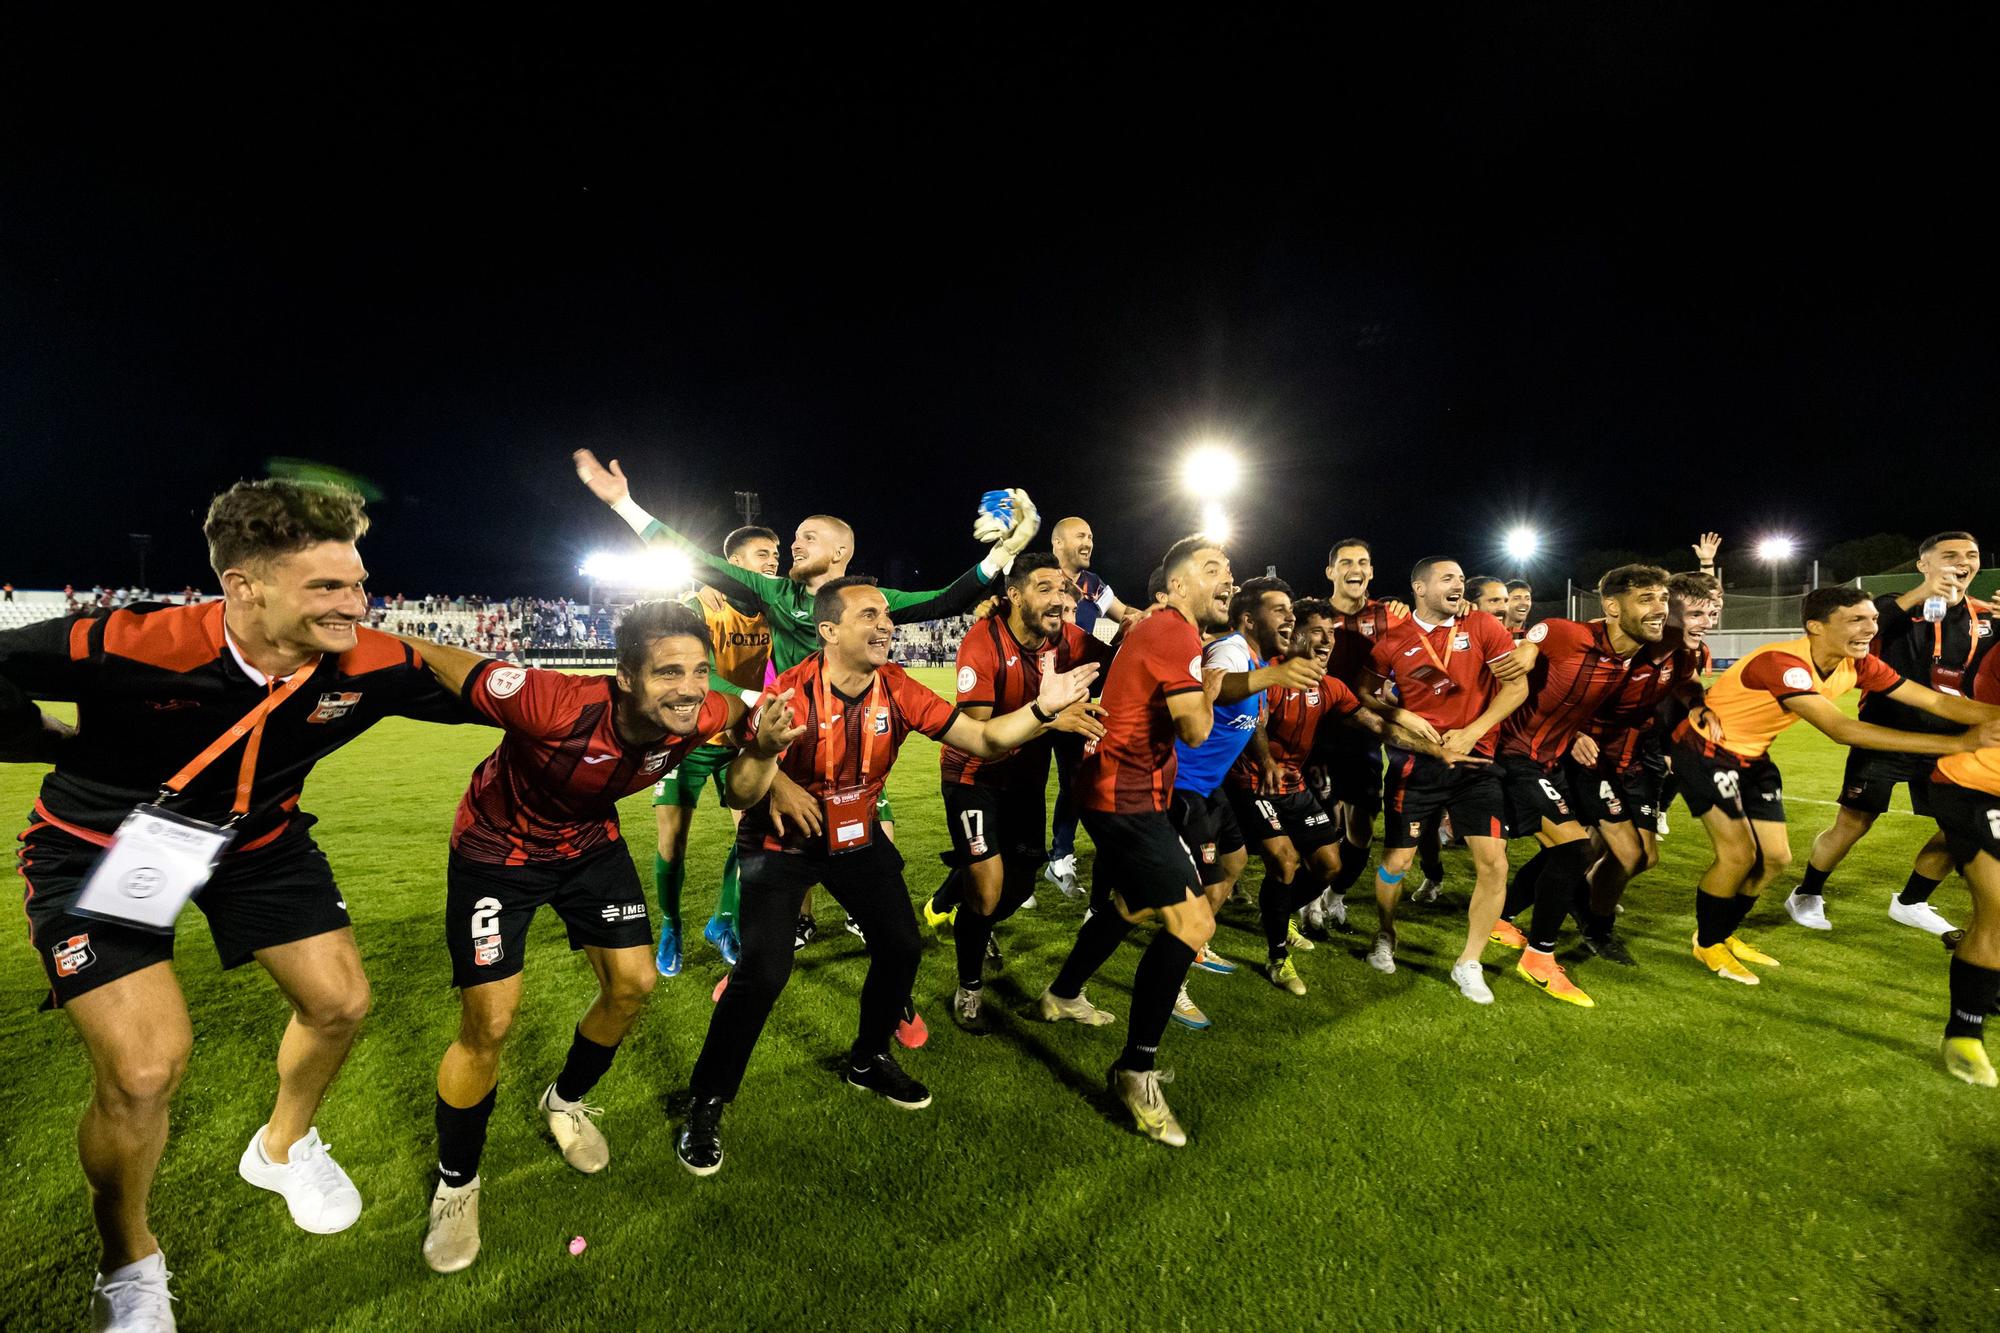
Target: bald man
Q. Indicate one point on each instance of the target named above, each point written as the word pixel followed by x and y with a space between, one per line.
pixel 1073 542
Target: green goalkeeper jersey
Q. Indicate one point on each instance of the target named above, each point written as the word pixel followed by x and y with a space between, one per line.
pixel 788 606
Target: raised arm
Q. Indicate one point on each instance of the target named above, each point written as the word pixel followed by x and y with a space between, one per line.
pixel 743 587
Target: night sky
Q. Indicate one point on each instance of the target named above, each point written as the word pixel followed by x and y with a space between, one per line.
pixel 1631 275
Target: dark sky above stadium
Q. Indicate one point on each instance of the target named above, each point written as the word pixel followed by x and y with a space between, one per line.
pixel 1627 274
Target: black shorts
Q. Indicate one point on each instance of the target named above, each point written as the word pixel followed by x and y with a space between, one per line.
pixel 1140 858
pixel 1295 815
pixel 1208 829
pixel 488 908
pixel 986 822
pixel 273 895
pixel 1970 819
pixel 1741 789
pixel 1871 777
pixel 1602 797
pixel 1535 792
pixel 1652 757
pixel 1347 777
pixel 1420 785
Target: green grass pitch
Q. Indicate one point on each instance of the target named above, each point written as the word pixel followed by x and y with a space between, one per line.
pixel 1381 1154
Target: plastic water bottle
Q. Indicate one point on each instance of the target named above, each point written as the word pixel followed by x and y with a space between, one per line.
pixel 1935 607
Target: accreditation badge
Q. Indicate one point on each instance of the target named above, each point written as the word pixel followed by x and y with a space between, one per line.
pixel 849 818
pixel 157 860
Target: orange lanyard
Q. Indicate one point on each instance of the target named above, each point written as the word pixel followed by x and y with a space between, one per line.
pixel 252 725
pixel 1450 642
pixel 828 765
pixel 1937 641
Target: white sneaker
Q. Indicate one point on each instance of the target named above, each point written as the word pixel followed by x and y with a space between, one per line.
pixel 1921 915
pixel 1061 872
pixel 1471 982
pixel 1383 956
pixel 452 1241
pixel 1810 910
pixel 1028 904
pixel 1333 909
pixel 1311 917
pixel 1427 892
pixel 321 1198
pixel 1188 1014
pixel 1141 1094
pixel 1660 824
pixel 571 1124
pixel 133 1299
pixel 854 929
pixel 1053 1009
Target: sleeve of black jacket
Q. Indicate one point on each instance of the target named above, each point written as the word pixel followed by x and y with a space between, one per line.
pixel 35 663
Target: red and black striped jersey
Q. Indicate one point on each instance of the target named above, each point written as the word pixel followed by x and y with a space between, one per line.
pixel 1637 708
pixel 550 791
pixel 1373 617
pixel 154 686
pixel 1293 719
pixel 1350 662
pixel 858 738
pixel 995 671
pixel 1130 769
pixel 1574 673
pixel 1444 673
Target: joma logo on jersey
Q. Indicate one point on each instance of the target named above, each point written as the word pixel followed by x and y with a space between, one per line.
pixel 332 706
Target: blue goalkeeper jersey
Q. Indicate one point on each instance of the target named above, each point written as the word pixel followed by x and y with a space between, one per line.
pixel 1201 767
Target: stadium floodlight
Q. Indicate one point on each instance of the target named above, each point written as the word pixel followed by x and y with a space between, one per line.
pixel 1211 468
pixel 1521 543
pixel 654 568
pixel 1777 548
pixel 1214 522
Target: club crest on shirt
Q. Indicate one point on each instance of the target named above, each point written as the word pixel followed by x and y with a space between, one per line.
pixel 881 722
pixel 332 706
pixel 1312 697
pixel 505 682
pixel 72 955
pixel 655 762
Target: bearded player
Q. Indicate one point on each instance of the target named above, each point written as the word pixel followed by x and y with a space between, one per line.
pixel 1154 694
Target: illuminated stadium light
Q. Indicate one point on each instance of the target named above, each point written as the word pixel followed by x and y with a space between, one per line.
pixel 1776 548
pixel 1211 468
pixel 654 568
pixel 1214 522
pixel 1521 543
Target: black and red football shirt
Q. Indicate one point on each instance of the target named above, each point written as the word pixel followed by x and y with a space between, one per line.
pixel 1444 673
pixel 1575 672
pixel 994 670
pixel 1293 719
pixel 550 792
pixel 1130 769
pixel 857 738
